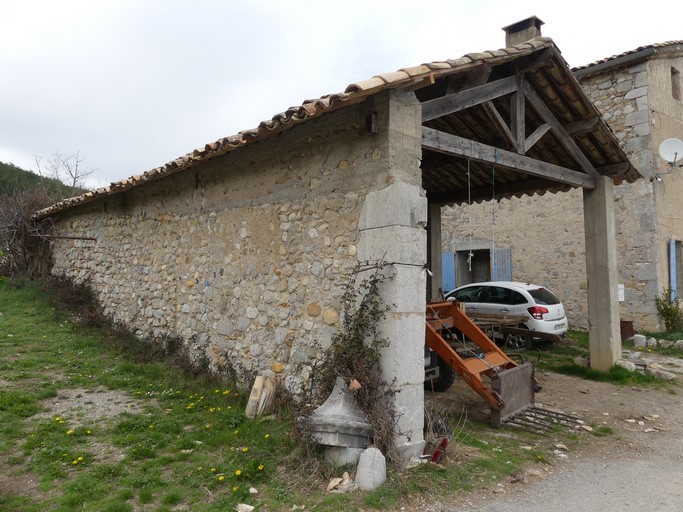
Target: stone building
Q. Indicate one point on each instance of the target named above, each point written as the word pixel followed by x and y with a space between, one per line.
pixel 242 247
pixel 638 94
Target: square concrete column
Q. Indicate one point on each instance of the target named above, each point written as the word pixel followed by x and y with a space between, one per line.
pixel 392 229
pixel 601 270
pixel 403 247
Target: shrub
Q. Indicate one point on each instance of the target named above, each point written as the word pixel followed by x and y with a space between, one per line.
pixel 669 308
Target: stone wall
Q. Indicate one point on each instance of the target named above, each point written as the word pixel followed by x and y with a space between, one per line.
pixel 243 257
pixel 546 233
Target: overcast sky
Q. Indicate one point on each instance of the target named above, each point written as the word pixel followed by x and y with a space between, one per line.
pixel 133 84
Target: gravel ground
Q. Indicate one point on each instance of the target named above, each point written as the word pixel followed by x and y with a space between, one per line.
pixel 639 468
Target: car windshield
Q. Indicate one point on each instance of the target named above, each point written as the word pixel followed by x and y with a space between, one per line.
pixel 543 296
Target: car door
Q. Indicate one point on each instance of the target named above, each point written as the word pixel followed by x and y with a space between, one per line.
pixel 478 300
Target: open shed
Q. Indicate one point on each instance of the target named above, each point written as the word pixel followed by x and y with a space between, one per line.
pixel 239 247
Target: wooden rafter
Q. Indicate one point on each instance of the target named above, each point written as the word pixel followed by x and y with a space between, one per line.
pixel 458 146
pixel 559 131
pixel 499 123
pixel 455 102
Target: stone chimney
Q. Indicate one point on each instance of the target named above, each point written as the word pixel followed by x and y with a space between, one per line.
pixel 522 31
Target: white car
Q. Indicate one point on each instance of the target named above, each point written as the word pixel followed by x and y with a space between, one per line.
pixel 541 309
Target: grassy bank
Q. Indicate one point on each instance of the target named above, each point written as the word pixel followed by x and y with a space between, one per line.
pixel 90 421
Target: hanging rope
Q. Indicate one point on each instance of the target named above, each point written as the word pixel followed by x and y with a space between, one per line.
pixel 470 254
pixel 493 203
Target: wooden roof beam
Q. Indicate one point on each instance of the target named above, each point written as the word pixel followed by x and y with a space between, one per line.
pixel 453 145
pixel 458 101
pixel 559 131
pixel 499 123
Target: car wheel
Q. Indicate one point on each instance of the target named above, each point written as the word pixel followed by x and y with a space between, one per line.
pixel 518 341
pixel 445 379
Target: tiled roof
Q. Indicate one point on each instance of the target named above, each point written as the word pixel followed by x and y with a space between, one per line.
pixel 355 92
pixel 631 54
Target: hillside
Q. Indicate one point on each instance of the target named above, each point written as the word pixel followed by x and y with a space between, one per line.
pixel 14 178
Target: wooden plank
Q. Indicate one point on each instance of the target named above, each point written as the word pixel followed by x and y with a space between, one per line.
pixel 450 144
pixel 583 126
pixel 532 139
pixel 499 123
pixel 518 121
pixel 455 102
pixel 559 131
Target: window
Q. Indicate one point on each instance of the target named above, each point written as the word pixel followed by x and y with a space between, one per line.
pixel 675 84
pixel 470 294
pixel 543 296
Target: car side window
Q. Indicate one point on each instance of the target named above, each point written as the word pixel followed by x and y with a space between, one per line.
pixel 470 294
pixel 484 294
pixel 517 298
pixel 499 295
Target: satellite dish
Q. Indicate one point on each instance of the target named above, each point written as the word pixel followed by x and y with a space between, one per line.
pixel 671 150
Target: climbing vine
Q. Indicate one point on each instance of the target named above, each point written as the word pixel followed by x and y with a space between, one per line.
pixel 355 354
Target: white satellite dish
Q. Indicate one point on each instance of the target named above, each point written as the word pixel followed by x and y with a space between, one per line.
pixel 671 150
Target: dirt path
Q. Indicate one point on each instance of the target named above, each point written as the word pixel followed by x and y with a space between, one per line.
pixel 638 467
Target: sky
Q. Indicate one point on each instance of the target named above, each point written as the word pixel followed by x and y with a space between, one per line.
pixel 132 84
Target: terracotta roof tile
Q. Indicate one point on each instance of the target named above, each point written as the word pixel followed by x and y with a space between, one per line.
pixel 299 114
pixel 416 70
pixel 640 49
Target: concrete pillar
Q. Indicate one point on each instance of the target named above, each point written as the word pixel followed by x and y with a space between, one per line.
pixel 434 253
pixel 392 229
pixel 601 272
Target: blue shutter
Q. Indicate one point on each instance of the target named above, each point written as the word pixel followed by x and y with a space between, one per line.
pixel 672 268
pixel 501 265
pixel 447 271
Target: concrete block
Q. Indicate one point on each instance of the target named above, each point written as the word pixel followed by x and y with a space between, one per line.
pixel 656 371
pixel 404 288
pixel 403 358
pixel 379 211
pixel 639 341
pixel 395 243
pixel 371 472
pixel 627 365
pixel 338 456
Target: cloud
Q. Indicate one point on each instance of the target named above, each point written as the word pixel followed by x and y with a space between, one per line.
pixel 134 84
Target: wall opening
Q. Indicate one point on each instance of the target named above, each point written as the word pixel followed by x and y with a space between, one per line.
pixel 675 84
pixel 485 265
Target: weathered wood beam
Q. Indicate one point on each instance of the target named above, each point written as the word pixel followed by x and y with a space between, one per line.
pixel 541 60
pixel 499 123
pixel 518 111
pixel 559 131
pixel 614 169
pixel 458 146
pixel 583 126
pixel 532 139
pixel 455 102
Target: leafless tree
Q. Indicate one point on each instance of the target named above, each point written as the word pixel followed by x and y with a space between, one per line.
pixel 68 169
pixel 24 250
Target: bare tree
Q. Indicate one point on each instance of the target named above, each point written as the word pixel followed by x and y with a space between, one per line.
pixel 68 169
pixel 24 247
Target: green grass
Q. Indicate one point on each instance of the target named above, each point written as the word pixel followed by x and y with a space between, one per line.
pixel 185 440
pixel 560 358
pixel 184 443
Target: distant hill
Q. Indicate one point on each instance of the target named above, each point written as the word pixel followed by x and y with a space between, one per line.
pixel 14 178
